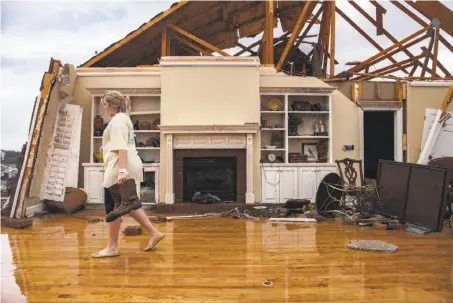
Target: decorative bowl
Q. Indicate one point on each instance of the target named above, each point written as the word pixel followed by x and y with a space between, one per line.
pixel 274 105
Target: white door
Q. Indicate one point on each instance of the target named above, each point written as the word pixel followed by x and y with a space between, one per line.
pixel 307 183
pixel 93 184
pixel 270 180
pixel 288 183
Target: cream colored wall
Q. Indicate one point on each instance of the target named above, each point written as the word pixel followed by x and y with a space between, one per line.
pixel 418 100
pixel 208 95
pixel 345 127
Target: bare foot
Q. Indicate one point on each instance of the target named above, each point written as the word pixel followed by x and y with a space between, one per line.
pixel 154 239
pixel 106 253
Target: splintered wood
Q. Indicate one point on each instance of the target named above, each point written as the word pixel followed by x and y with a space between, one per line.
pixel 59 153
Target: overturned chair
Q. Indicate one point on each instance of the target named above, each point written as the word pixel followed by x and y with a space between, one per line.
pixel 348 192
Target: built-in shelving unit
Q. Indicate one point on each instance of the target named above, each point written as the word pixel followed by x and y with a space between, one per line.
pixel 144 108
pixel 275 123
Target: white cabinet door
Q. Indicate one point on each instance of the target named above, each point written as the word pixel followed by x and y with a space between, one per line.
pixel 270 183
pixel 307 183
pixel 93 184
pixel 288 183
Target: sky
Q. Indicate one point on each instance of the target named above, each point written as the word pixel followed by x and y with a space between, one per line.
pixel 72 31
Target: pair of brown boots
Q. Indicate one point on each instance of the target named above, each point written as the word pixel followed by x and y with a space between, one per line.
pixel 126 199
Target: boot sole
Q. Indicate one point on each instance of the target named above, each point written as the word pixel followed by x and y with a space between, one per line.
pixel 113 216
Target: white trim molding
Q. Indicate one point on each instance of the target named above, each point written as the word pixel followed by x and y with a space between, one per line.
pixel 32 210
pixel 432 84
pixel 210 61
pixel 398 129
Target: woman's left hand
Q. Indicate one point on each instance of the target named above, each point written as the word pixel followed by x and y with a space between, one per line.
pixel 121 178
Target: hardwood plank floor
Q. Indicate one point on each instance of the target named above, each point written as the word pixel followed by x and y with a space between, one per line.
pixel 223 260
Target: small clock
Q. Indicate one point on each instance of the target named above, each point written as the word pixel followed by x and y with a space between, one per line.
pixel 271 157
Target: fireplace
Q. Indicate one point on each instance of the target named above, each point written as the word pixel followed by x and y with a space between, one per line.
pixel 214 177
pixel 220 173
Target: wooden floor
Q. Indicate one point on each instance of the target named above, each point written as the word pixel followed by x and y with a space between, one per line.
pixel 223 260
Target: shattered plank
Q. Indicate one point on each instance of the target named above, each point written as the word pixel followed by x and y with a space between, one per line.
pixel 18 209
pixel 439 64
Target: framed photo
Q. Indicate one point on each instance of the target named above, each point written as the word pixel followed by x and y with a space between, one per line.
pixel 311 151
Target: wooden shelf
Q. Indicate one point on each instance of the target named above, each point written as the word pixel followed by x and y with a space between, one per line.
pixel 308 137
pixel 275 149
pixel 143 113
pixel 308 112
pixel 271 129
pixel 97 137
pixel 147 131
pixel 272 112
pixel 147 148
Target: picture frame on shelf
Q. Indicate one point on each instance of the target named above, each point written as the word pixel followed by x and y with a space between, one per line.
pixel 311 151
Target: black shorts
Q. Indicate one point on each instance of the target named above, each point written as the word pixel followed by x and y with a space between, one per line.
pixel 109 203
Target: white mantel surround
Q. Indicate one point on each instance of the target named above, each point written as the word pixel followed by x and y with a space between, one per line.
pixel 209 137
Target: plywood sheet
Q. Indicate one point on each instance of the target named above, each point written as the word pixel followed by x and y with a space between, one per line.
pixel 289 15
pixel 435 9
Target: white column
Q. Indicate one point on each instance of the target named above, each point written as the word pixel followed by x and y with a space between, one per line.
pixel 169 195
pixel 249 196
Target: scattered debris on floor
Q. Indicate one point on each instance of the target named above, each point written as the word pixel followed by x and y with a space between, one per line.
pixel 373 245
pixel 419 230
pixel 132 231
pixel 293 219
pixel 205 198
pixel 16 223
pixel 158 219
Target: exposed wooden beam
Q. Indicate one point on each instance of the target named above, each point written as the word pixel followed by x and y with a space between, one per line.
pixel 200 41
pixel 379 21
pixel 191 45
pixel 410 60
pixel 430 48
pixel 326 19
pixel 246 49
pixel 332 38
pixel 414 69
pixel 439 64
pixel 436 50
pixel 362 32
pixel 378 6
pixel 375 23
pixel 305 33
pixel 306 12
pixel 134 34
pixel 385 53
pixel 375 76
pixel 395 69
pixel 165 43
pixel 269 34
pixel 420 21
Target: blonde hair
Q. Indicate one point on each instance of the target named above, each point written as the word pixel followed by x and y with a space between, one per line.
pixel 116 100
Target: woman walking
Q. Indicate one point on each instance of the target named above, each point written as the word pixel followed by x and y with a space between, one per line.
pixel 123 174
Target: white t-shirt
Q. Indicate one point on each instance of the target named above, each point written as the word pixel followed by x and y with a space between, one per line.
pixel 119 135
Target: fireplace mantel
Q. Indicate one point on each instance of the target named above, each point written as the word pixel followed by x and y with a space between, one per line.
pixel 209 129
pixel 208 137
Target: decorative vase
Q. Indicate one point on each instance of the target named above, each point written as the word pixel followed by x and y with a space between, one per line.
pixel 293 130
pixel 145 125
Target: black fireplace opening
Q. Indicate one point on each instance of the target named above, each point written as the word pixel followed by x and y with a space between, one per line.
pixel 210 179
